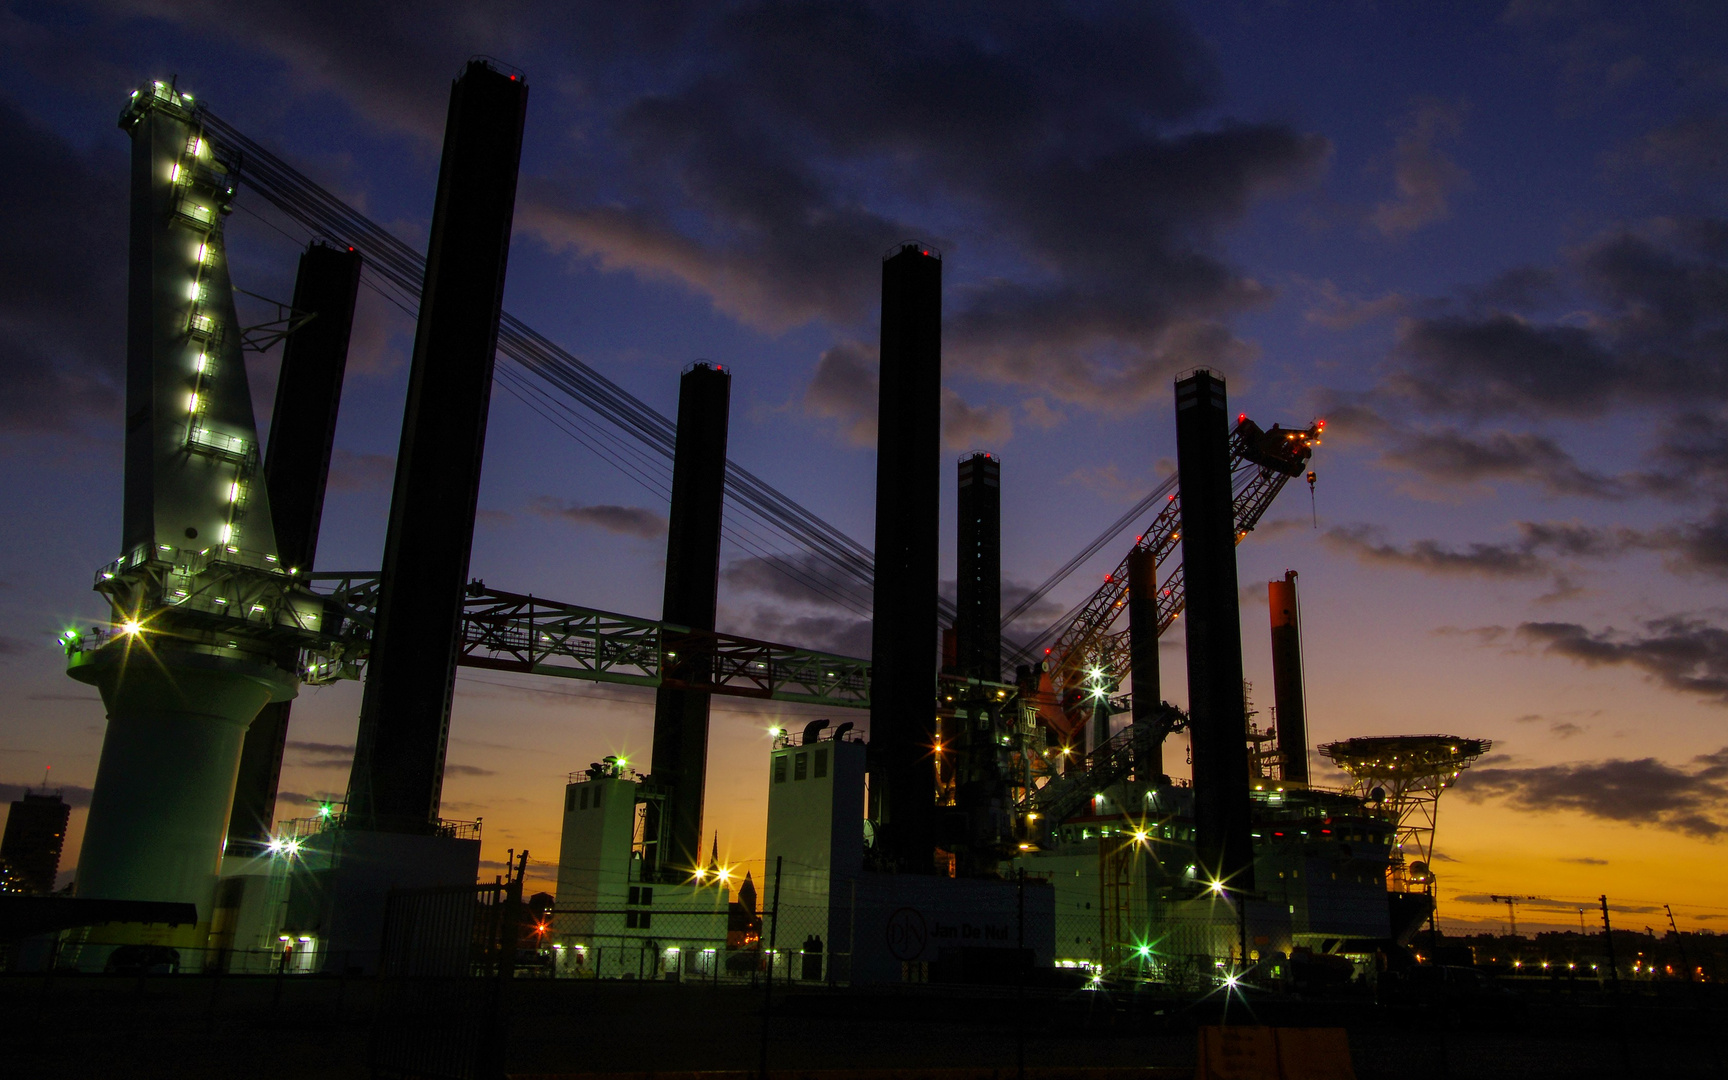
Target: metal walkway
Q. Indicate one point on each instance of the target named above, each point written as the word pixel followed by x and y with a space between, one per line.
pixel 506 631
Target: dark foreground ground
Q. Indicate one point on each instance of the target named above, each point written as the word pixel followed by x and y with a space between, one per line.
pixel 263 1028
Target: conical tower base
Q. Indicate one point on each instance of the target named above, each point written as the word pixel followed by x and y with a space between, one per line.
pixel 177 719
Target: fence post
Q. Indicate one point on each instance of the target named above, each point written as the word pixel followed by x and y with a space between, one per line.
pixel 768 995
pixel 1020 966
pixel 504 974
pixel 1614 984
pixel 852 934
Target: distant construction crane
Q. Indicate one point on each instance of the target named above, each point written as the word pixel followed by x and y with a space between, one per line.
pixel 1511 903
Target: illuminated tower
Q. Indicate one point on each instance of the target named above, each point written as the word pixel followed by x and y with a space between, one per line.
pixel 201 603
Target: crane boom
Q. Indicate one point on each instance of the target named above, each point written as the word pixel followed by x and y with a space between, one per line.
pixel 1262 462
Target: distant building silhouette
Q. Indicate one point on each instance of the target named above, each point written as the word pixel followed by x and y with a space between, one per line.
pixel 743 924
pixel 35 834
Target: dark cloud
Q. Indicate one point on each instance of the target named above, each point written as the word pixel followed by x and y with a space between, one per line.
pixel 1140 296
pixel 1533 554
pixel 1651 328
pixel 1713 766
pixel 1585 860
pixel 1698 546
pixel 324 748
pixel 1351 421
pixel 62 281
pixel 623 520
pixel 1446 458
pixel 968 427
pixel 844 390
pixel 1692 150
pixel 796 578
pixel 764 154
pixel 467 770
pixel 11 646
pixel 1641 791
pixel 1036 617
pixel 841 635
pixel 350 471
pixel 1040 415
pixel 1690 456
pixel 1498 363
pixel 1487 560
pixel 1571 538
pixel 382 337
pixel 1337 310
pixel 771 179
pixel 1454 458
pixel 1680 652
pixel 1522 288
pixel 74 795
pixel 318 755
pixel 1424 176
pixel 1107 480
pixel 393 65
pixel 1688 463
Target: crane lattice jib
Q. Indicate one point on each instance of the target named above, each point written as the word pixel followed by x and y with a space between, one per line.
pixel 1261 463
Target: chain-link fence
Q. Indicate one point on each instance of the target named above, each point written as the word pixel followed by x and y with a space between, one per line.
pixel 477 982
pixel 797 944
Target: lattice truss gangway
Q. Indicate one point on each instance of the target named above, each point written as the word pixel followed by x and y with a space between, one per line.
pixel 227 587
pixel 1406 775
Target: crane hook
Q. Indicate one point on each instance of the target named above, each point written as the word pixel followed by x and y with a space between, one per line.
pixel 1313 508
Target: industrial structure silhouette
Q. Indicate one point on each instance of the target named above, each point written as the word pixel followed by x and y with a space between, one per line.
pixel 985 782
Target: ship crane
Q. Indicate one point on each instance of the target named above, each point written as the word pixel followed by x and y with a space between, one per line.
pixel 1511 903
pixel 1089 646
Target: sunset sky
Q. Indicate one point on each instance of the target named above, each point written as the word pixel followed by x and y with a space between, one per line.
pixel 1488 242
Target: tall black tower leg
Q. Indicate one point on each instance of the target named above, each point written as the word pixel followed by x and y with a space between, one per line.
pixel 398 775
pixel 903 642
pixel 296 472
pixel 1217 719
pixel 692 590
